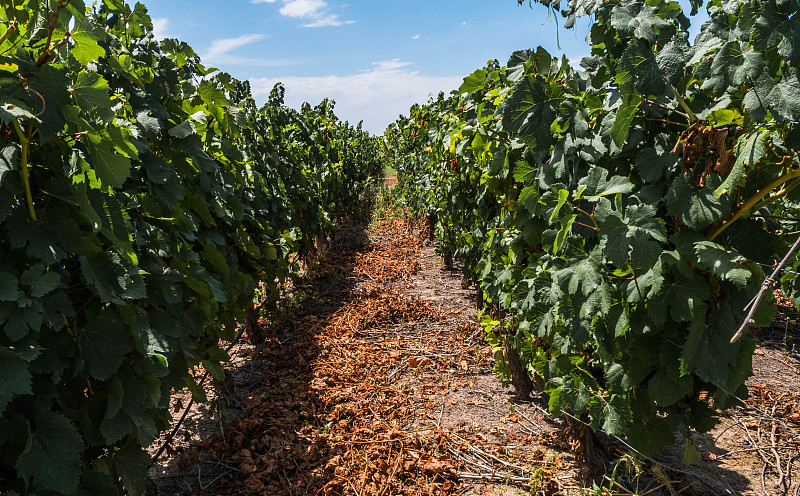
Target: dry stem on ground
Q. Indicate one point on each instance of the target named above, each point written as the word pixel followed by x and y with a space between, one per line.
pixel 377 381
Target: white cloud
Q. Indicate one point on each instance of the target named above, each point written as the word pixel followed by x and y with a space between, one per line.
pixel 220 49
pixel 390 65
pixel 316 12
pixel 220 53
pixel 330 20
pixel 416 37
pixel 161 28
pixel 376 96
pixel 303 8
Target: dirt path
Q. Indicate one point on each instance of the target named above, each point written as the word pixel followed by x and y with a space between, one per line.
pixel 375 380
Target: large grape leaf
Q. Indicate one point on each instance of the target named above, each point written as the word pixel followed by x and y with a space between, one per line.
pixel 51 460
pixel 474 82
pixel 92 94
pixel 634 237
pixel 672 59
pixel 52 84
pixel 530 111
pixel 9 161
pixel 644 24
pixel 86 36
pixel 724 263
pixel 750 148
pixel 111 167
pixel 131 463
pixel 684 298
pixel 668 385
pixel 624 117
pixel 638 67
pixel 708 350
pixel 597 184
pixel 774 25
pixel 9 287
pixel 15 379
pixel 697 207
pixel 616 415
pixel 40 281
pixel 651 435
pixel 103 343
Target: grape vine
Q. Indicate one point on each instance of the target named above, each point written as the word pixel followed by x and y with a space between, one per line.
pixel 616 218
pixel 143 197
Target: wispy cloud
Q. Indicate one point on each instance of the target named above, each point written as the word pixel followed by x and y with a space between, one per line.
pixel 222 52
pixel 329 20
pixel 377 95
pixel 415 37
pixel 224 46
pixel 315 12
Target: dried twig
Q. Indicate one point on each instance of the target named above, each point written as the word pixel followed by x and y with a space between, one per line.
pixel 768 283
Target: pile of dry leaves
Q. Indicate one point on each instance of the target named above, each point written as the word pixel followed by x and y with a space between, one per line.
pixel 326 420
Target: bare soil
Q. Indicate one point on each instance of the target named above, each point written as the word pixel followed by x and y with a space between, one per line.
pixel 374 379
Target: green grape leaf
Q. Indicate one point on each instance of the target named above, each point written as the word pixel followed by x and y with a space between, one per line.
pixel 92 94
pixel 530 110
pixel 115 395
pixel 40 281
pixel 131 463
pixel 708 350
pixel 597 185
pixel 672 59
pixel 183 130
pixel 86 36
pixel 638 66
pixel 750 148
pixel 684 298
pixel 9 287
pixel 9 161
pixel 624 117
pixel 690 453
pixel 724 263
pixel 474 82
pixel 112 168
pixel 115 427
pixel 634 237
pixel 97 481
pixel 214 99
pixel 15 379
pixel 52 83
pixel 668 385
pixel 773 25
pixel 697 207
pixel 51 460
pixel 651 436
pixel 616 415
pixel 103 343
pixel 23 320
pixel 645 24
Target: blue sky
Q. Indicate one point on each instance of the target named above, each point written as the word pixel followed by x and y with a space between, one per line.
pixel 375 58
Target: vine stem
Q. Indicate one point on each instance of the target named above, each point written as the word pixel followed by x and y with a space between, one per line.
pixel 755 202
pixel 44 57
pixel 682 102
pixel 25 142
pixel 766 285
